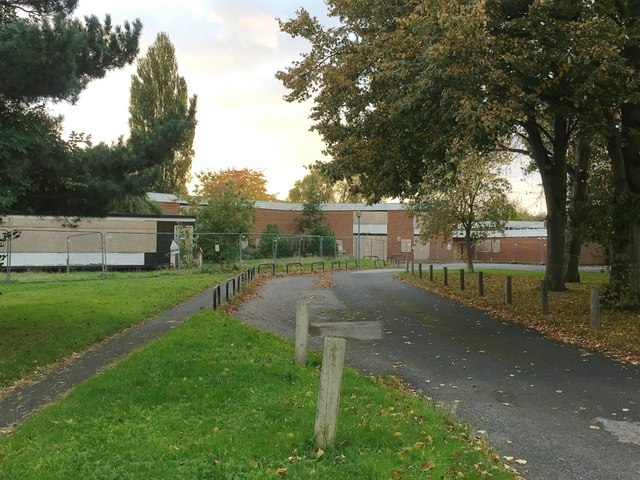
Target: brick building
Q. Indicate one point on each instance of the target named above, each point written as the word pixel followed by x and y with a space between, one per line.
pixel 389 232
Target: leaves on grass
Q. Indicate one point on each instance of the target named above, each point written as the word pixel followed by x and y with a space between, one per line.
pixel 568 320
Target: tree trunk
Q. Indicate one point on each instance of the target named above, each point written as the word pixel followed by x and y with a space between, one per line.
pixel 553 171
pixel 468 243
pixel 624 152
pixel 577 207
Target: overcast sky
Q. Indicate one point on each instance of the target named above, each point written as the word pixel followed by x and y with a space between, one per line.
pixel 228 51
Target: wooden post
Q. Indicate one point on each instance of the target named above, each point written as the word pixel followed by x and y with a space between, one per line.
pixel 329 393
pixel 544 297
pixel 420 270
pixel 508 292
pixel 445 273
pixel 302 332
pixel 595 308
pixel 431 273
pixel 481 284
pixel 462 279
pixel 413 268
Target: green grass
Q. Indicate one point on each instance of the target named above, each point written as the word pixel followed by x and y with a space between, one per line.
pixel 43 322
pixel 569 311
pixel 218 400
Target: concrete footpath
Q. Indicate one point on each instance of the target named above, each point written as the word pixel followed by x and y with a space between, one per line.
pixel 21 402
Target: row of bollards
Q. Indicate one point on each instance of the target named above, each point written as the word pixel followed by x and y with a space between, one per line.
pixel 231 287
pixel 326 421
pixel 508 291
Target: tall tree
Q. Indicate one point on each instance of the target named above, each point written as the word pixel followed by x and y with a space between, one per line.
pixel 246 182
pixel 397 85
pixel 158 89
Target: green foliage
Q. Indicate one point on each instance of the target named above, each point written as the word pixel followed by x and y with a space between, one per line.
pixel 272 243
pixel 49 55
pixel 45 54
pixel 158 89
pixel 316 185
pixel 228 215
pixel 470 197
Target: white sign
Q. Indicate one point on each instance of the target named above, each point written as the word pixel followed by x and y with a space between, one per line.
pixel 175 248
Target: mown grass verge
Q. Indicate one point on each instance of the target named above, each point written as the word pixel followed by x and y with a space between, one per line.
pixel 216 399
pixel 44 322
pixel 568 319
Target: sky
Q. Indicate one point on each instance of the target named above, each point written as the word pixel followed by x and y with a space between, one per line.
pixel 228 51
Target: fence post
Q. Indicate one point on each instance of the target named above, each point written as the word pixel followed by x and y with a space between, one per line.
pixel 481 284
pixel 508 292
pixel 329 392
pixel 420 270
pixel 544 297
pixel 302 332
pixel 445 272
pixel 462 279
pixel 431 273
pixel 413 268
pixel 595 308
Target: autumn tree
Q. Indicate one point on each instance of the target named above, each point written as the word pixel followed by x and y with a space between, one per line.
pixel 246 182
pixel 396 86
pixel 157 89
pixel 47 55
pixel 471 196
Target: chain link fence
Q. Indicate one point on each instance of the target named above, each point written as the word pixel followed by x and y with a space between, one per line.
pixel 69 251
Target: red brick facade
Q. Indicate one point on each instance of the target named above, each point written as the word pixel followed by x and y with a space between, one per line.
pixel 388 231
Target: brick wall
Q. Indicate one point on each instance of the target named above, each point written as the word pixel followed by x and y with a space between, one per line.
pixel 400 225
pixel 284 219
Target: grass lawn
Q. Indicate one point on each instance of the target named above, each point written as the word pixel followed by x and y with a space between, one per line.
pixel 569 312
pixel 216 399
pixel 44 322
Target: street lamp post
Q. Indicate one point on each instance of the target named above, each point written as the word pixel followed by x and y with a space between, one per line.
pixel 358 216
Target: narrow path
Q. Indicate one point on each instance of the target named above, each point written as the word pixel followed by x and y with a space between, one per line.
pixel 568 413
pixel 21 402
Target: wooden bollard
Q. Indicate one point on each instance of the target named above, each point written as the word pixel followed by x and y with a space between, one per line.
pixel 431 273
pixel 508 291
pixel 420 270
pixel 481 284
pixel 462 279
pixel 413 268
pixel 302 332
pixel 329 393
pixel 544 297
pixel 595 308
pixel 445 273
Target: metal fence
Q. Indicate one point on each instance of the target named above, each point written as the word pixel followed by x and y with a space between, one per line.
pixel 68 250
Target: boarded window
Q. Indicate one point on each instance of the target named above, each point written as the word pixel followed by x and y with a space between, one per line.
pixel 483 246
pixel 495 247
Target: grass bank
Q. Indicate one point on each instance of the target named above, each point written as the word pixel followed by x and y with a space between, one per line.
pixel 216 399
pixel 568 319
pixel 43 322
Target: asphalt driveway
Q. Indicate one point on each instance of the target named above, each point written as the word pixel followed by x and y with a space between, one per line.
pixel 566 412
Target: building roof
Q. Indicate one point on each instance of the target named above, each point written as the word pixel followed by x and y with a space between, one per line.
pixel 331 207
pixel 166 198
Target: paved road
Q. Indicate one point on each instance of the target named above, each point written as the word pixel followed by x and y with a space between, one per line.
pixel 569 413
